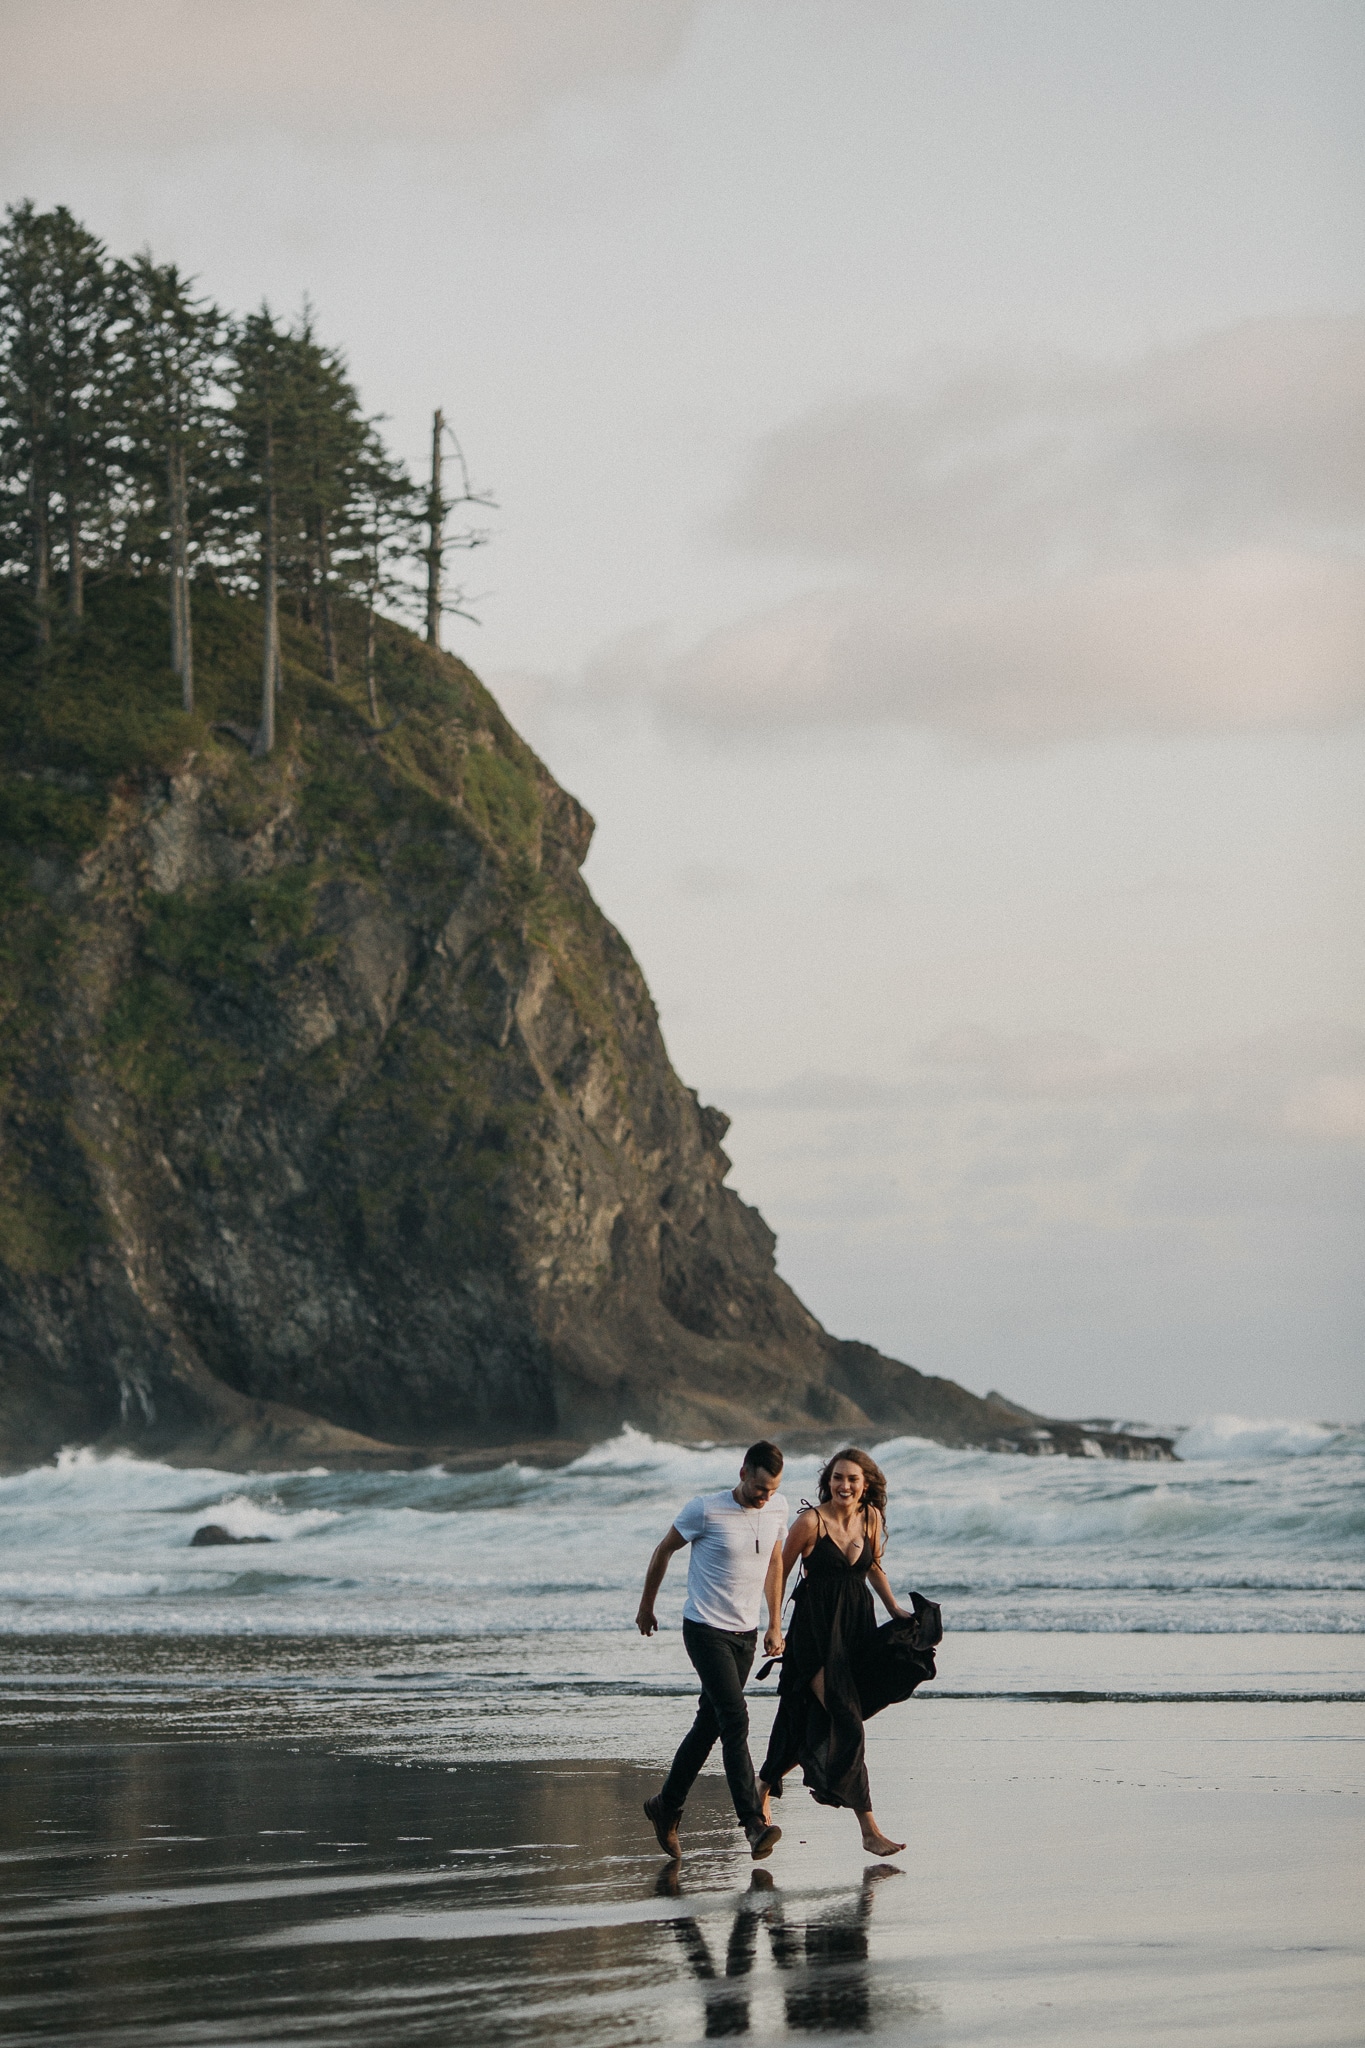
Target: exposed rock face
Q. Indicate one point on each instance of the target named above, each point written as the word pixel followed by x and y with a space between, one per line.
pixel 338 1118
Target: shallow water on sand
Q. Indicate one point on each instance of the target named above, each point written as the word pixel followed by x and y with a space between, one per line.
pixel 319 1844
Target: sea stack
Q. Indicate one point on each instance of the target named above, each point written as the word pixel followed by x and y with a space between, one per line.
pixel 337 1120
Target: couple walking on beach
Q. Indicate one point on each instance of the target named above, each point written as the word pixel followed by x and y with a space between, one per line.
pixel 838 1668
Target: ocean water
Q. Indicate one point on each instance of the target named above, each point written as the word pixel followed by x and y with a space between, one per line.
pixel 1259 1529
pixel 379 1779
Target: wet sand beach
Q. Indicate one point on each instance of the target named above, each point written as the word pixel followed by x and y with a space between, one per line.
pixel 209 1841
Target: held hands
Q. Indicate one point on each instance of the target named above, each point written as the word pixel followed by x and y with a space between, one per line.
pixel 772 1642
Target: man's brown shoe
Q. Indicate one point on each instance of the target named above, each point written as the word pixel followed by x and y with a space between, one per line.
pixel 665 1826
pixel 764 1837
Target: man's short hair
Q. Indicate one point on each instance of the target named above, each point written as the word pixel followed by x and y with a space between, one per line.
pixel 763 1457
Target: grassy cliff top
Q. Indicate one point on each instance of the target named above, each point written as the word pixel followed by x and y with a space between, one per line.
pixel 99 712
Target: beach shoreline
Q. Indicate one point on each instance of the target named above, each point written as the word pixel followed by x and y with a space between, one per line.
pixel 379 1775
pixel 342 1849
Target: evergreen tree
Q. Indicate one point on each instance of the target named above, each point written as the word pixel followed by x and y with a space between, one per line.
pixel 171 364
pixel 330 440
pixel 56 420
pixel 142 432
pixel 28 402
pixel 335 515
pixel 83 309
pixel 264 423
pixel 384 535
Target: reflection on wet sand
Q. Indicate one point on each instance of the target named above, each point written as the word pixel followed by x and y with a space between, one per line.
pixel 823 1956
pixel 173 1877
pixel 175 1893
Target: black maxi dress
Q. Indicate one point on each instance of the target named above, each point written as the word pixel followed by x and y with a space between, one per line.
pixel 834 1626
pixel 866 1669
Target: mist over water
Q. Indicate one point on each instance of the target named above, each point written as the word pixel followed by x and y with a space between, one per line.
pixel 1260 1528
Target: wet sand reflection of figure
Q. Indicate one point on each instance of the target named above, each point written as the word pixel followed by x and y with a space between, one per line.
pixel 727 1996
pixel 823 1959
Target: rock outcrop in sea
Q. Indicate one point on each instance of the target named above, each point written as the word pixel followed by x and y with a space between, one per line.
pixel 337 1121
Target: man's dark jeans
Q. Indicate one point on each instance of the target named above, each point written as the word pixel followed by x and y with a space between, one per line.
pixel 723 1662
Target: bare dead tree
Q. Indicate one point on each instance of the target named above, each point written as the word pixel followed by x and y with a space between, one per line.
pixel 439 542
pixel 436 514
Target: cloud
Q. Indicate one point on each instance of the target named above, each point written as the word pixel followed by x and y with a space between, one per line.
pixel 178 72
pixel 1031 553
pixel 1086 1225
pixel 1245 436
pixel 1017 1136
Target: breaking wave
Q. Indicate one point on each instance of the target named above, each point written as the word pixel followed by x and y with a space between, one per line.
pixel 1260 1527
pixel 1243 1436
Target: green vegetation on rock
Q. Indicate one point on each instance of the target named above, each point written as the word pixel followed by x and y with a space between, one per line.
pixel 94 751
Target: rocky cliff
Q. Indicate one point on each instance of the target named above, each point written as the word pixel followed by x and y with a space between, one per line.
pixel 336 1118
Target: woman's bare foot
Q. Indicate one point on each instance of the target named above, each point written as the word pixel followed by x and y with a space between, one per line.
pixel 874 1841
pixel 765 1802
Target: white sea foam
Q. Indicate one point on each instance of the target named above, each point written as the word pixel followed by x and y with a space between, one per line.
pixel 1263 1531
pixel 81 1477
pixel 633 1451
pixel 242 1516
pixel 1243 1436
pixel 81 1585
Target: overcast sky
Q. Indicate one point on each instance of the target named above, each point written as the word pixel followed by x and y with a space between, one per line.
pixel 930 439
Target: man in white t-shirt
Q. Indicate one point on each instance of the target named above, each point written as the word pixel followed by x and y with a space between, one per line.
pixel 736 1537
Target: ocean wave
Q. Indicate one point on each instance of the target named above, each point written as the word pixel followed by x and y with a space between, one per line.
pixel 633 1451
pixel 85 1477
pixel 88 1585
pixel 1167 1516
pixel 1264 1531
pixel 1250 1437
pixel 242 1516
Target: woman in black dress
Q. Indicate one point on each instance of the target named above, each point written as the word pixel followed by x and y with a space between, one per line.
pixel 820 1714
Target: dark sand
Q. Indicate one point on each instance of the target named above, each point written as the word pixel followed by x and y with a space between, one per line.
pixel 187 1859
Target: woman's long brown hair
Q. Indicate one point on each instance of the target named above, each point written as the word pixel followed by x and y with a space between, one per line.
pixel 874 1491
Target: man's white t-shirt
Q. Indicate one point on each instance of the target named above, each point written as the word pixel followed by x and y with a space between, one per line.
pixel 731 1546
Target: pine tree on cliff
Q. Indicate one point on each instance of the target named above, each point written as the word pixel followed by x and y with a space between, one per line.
pixel 330 439
pixel 82 340
pixel 264 428
pixel 171 366
pixel 56 424
pixel 336 515
pixel 140 434
pixel 28 439
pixel 54 320
pixel 385 517
pixel 28 392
